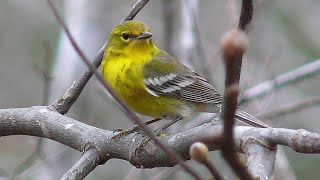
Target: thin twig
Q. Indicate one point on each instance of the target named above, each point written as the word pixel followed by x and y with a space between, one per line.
pixel 294 107
pixel 135 9
pixel 130 114
pixel 291 77
pixel 215 173
pixel 200 50
pixel 199 152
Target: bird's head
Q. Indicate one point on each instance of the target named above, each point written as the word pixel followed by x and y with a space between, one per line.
pixel 130 36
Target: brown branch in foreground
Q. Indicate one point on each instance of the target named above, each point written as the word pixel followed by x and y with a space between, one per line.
pixel 246 14
pixel 199 152
pixel 294 107
pixel 42 122
pixel 130 114
pixel 64 103
pixel 233 46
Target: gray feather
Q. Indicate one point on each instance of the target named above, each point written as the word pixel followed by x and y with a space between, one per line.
pixel 190 88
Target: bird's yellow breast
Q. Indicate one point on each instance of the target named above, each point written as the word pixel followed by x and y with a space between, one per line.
pixel 125 75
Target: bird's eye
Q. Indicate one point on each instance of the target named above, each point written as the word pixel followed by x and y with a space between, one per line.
pixel 125 36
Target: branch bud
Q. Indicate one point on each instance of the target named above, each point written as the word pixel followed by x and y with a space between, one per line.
pixel 199 152
pixel 234 43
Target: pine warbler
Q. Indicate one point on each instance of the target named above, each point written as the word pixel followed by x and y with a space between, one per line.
pixel 152 82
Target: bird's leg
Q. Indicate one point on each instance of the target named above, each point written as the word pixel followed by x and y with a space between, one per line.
pixel 124 132
pixel 158 132
pixel 170 123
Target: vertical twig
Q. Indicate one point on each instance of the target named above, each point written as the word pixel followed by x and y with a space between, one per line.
pixel 234 45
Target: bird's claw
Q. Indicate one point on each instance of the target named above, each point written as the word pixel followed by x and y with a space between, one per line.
pixel 146 140
pixel 124 132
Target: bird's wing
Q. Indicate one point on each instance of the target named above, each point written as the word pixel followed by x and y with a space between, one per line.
pixel 167 77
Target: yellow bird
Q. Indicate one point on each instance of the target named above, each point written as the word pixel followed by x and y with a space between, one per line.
pixel 155 84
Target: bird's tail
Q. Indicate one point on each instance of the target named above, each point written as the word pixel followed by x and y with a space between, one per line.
pixel 240 115
pixel 249 119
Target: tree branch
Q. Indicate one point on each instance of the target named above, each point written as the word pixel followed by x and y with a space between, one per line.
pixel 294 107
pixel 40 121
pixel 87 163
pixel 234 44
pixel 294 76
pixel 260 158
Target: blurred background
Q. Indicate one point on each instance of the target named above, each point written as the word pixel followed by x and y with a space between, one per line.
pixel 38 64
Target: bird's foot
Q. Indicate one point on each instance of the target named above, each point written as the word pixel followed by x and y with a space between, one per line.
pixel 124 132
pixel 145 140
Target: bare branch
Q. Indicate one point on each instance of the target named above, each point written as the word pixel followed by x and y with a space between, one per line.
pixel 232 54
pixel 260 159
pixel 42 122
pixel 87 163
pixel 135 9
pixel 291 77
pixel 246 14
pixel 294 107
pixel 199 152
pixel 234 44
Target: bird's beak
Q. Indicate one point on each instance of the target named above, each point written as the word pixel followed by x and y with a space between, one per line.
pixel 144 35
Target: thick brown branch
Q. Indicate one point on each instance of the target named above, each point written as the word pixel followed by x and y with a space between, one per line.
pixel 234 45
